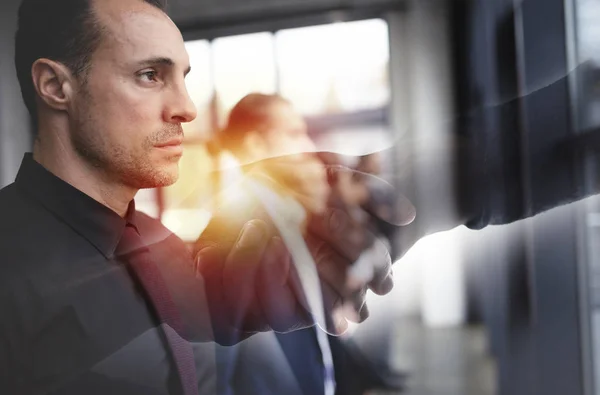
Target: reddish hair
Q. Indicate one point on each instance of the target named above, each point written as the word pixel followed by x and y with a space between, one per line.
pixel 251 114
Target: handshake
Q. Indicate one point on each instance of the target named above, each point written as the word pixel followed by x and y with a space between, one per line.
pixel 255 274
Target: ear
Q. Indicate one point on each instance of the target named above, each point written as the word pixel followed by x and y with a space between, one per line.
pixel 53 83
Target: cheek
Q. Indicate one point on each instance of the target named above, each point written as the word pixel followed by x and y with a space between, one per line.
pixel 126 103
pixel 129 109
pixel 124 126
pixel 129 120
pixel 127 115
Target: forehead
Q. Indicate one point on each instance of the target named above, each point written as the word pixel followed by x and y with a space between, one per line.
pixel 136 30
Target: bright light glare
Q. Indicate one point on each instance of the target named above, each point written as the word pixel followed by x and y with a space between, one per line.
pixel 243 64
pixel 199 85
pixel 336 67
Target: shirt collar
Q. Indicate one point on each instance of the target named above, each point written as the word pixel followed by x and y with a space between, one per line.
pixel 100 225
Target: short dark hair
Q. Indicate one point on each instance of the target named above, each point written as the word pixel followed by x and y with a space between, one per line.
pixel 251 114
pixel 65 31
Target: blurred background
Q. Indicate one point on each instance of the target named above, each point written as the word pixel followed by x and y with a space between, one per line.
pixel 507 310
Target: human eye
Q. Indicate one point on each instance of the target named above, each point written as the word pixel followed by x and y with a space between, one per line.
pixel 150 76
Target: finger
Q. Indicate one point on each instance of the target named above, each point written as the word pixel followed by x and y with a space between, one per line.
pixel 406 212
pixel 362 271
pixel 223 230
pixel 396 212
pixel 340 290
pixel 384 286
pixel 207 262
pixel 359 299
pixel 339 322
pixel 233 208
pixel 374 268
pixel 240 272
pixel 354 305
pixel 352 310
pixel 383 281
pixel 338 309
pixel 209 267
pixel 277 299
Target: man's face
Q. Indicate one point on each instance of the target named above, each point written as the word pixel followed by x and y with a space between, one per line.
pixel 127 116
pixel 287 132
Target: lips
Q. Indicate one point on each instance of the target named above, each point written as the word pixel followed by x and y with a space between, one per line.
pixel 175 142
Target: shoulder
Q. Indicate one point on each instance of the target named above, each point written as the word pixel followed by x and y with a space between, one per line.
pixel 17 206
pixel 22 217
pixel 8 194
pixel 31 236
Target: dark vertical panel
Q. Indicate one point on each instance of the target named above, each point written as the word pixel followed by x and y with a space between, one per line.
pixel 487 78
pixel 553 245
pixel 516 100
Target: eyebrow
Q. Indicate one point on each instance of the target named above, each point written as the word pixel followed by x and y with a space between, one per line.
pixel 162 61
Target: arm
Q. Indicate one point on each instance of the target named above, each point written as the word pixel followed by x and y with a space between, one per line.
pixel 488 183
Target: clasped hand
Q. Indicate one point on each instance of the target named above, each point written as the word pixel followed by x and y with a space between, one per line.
pixel 250 279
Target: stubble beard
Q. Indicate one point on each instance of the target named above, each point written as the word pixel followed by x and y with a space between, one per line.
pixel 133 168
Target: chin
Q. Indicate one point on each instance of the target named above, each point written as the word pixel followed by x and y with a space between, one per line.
pixel 157 179
pixel 151 172
pixel 166 179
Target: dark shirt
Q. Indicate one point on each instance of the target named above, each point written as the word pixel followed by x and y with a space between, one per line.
pixel 73 319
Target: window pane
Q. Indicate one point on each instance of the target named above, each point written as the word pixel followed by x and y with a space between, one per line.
pixel 200 88
pixel 588 31
pixel 335 68
pixel 243 64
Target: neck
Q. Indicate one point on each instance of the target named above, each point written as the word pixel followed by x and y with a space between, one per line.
pixel 55 152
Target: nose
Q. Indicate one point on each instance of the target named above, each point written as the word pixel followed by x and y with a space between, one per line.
pixel 180 107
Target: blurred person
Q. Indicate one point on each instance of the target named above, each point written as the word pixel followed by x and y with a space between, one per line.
pixel 96 297
pixel 262 126
pixel 488 194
